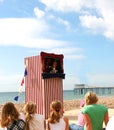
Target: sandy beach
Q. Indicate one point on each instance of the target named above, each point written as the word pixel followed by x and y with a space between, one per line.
pixel 71 107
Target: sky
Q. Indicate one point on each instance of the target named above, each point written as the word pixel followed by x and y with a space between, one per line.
pixel 81 30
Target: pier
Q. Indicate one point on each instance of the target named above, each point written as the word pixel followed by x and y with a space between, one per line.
pixel 81 89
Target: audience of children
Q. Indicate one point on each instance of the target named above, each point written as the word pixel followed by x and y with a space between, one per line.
pixel 90 117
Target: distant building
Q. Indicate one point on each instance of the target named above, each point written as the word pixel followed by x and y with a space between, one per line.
pixel 81 86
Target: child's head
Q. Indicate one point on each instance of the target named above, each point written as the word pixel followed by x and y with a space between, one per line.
pixel 91 98
pixel 29 108
pixel 82 103
pixel 55 113
pixel 9 113
pixel 56 105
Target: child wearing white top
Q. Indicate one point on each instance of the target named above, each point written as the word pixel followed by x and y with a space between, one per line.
pixel 56 121
pixel 33 121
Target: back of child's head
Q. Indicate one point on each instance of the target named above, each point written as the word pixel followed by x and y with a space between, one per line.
pixel 29 108
pixel 55 112
pixel 9 114
pixel 56 105
pixel 91 98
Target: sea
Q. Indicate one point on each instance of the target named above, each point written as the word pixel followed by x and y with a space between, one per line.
pixel 67 95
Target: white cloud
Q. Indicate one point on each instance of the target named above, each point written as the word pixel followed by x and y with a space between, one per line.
pixel 72 53
pixel 93 23
pixel 101 80
pixel 27 33
pixel 15 30
pixel 39 13
pixel 60 21
pixel 100 16
pixel 65 23
pixel 43 43
pixel 103 20
pixel 66 5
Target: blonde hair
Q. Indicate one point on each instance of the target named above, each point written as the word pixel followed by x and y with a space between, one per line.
pixel 91 98
pixel 29 111
pixel 9 114
pixel 55 114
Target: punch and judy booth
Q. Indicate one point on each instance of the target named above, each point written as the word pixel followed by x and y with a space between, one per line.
pixel 44 80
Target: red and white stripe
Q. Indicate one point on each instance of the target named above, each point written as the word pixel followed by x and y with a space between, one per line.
pixel 41 91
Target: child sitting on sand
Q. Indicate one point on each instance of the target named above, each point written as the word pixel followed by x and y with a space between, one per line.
pixel 80 123
pixel 56 121
pixel 33 121
pixel 94 114
pixel 10 118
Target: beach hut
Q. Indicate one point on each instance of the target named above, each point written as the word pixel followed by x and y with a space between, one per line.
pixel 44 80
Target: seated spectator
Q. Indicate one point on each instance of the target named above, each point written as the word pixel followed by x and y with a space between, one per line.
pixel 80 122
pixel 94 113
pixel 56 121
pixel 10 118
pixel 33 121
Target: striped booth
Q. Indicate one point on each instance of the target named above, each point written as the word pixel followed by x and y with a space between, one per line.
pixel 44 80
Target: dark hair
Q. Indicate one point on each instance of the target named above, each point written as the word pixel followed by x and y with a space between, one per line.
pixel 9 114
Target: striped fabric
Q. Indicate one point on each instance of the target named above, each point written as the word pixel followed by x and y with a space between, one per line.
pixel 52 90
pixel 41 91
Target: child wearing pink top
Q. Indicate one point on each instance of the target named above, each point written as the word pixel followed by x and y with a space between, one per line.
pixel 80 123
